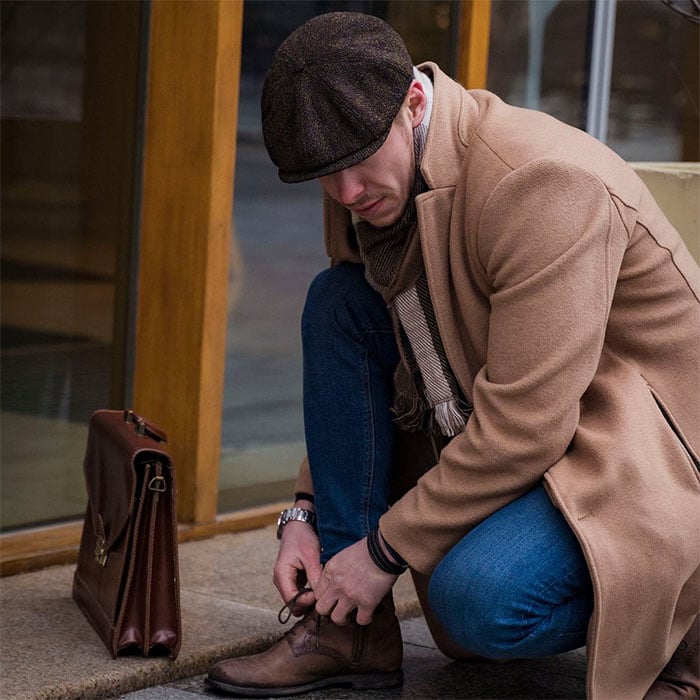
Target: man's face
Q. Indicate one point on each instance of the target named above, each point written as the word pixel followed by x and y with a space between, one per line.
pixel 377 188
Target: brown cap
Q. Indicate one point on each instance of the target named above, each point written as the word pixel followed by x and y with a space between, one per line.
pixel 331 94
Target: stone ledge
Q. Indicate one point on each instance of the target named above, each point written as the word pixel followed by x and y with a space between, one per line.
pixel 676 188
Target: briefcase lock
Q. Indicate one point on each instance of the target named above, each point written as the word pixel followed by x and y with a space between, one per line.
pixel 100 551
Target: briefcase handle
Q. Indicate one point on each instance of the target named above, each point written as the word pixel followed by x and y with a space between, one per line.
pixel 143 427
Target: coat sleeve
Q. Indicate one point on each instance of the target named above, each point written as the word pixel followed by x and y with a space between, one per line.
pixel 303 483
pixel 548 249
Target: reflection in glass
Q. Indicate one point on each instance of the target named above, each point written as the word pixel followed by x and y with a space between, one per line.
pixel 540 58
pixel 538 55
pixel 277 250
pixel 654 97
pixel 67 162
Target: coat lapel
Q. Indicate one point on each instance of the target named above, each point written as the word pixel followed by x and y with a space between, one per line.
pixel 434 214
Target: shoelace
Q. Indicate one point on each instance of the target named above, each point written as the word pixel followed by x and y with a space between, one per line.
pixel 286 611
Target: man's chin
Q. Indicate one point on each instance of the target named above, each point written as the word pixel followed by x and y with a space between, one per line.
pixel 381 220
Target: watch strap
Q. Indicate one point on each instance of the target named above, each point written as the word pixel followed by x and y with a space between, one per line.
pixel 295 514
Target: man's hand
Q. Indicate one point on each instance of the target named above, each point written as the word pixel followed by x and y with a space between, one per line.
pixel 350 581
pixel 298 562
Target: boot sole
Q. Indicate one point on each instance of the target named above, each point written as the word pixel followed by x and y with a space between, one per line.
pixel 367 681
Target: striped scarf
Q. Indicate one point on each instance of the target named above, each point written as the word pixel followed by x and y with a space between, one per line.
pixel 426 393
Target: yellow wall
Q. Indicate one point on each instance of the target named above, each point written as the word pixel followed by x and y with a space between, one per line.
pixel 676 188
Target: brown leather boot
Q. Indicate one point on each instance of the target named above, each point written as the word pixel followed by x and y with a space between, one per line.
pixel 681 675
pixel 316 653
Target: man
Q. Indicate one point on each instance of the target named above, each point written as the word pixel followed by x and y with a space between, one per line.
pixel 510 315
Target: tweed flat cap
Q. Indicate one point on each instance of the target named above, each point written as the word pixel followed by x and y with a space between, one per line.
pixel 331 94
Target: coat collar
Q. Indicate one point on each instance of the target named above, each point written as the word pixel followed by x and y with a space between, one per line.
pixel 452 126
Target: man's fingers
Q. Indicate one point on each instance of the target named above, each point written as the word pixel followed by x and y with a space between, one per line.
pixel 286 581
pixel 303 603
pixel 341 613
pixel 285 584
pixel 325 598
pixel 320 585
pixel 364 616
pixel 314 573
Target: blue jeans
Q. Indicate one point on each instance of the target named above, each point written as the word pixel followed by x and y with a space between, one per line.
pixel 515 586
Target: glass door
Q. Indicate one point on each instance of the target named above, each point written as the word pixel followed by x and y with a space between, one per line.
pixel 70 162
pixel 278 249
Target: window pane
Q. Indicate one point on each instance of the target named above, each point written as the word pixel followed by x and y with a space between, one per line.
pixel 67 170
pixel 539 58
pixel 654 93
pixel 278 249
pixel 538 55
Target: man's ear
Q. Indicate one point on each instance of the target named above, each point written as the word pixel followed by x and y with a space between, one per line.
pixel 417 102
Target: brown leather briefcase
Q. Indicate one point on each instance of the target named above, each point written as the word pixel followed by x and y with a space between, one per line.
pixel 126 582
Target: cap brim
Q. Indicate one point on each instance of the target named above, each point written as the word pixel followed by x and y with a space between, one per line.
pixel 347 161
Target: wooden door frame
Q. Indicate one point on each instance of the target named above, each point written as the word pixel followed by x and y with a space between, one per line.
pixel 190 145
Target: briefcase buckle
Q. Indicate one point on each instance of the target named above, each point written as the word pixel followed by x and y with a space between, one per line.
pixel 100 551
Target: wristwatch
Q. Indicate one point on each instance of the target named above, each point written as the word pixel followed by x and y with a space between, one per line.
pixel 299 514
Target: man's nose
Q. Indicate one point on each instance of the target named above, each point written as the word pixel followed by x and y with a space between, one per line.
pixel 348 186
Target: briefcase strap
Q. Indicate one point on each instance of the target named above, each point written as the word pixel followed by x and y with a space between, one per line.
pixel 157 485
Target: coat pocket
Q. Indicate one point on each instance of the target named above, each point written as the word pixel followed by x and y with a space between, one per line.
pixel 673 425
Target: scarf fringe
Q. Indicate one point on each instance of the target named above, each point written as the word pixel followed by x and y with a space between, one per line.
pixel 410 412
pixel 448 417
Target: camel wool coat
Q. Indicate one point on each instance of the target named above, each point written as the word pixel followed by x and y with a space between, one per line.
pixel 569 309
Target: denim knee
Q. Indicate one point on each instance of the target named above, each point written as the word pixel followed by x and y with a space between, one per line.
pixel 341 299
pixel 475 609
pixel 330 291
pixel 517 586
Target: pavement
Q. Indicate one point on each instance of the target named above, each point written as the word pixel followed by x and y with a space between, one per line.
pixel 229 608
pixel 429 674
